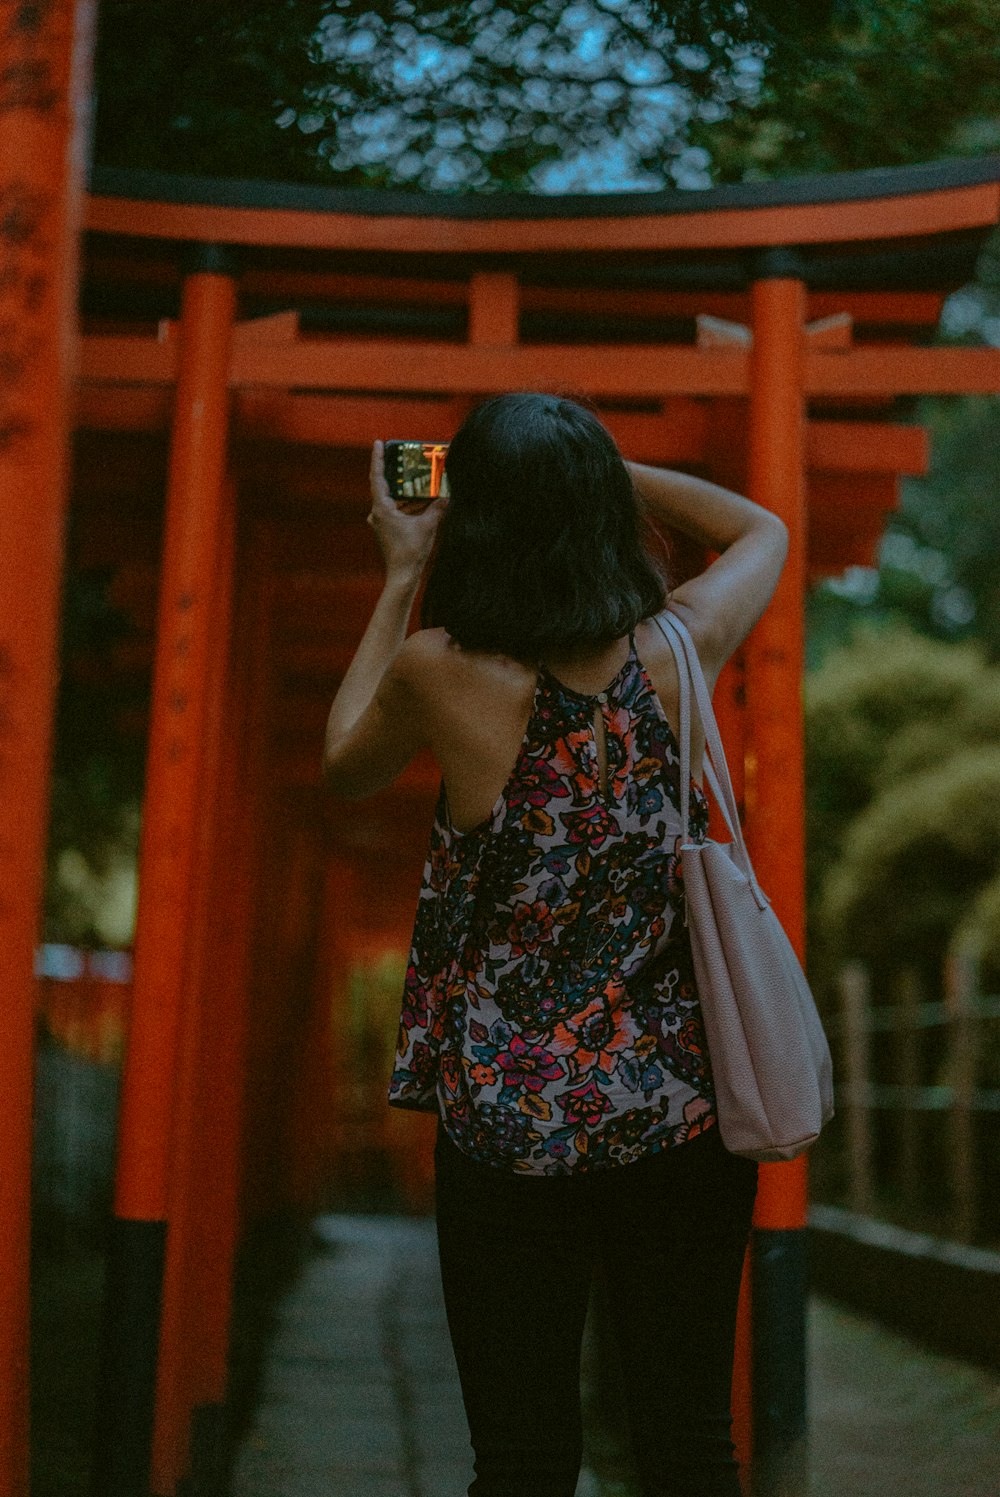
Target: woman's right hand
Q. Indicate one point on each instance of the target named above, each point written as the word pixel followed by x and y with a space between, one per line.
pixel 405 532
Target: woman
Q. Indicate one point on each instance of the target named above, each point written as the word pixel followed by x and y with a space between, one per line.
pixel 550 1015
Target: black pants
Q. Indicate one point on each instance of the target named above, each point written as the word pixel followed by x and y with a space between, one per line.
pixel 517 1255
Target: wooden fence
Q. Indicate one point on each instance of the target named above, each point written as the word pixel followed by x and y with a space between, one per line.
pixel 962 1018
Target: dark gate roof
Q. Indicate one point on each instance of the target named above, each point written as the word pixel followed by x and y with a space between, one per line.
pixel 915 227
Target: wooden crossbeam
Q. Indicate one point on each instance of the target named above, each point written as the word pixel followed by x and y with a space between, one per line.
pixel 622 370
pixel 887 371
pixel 384 366
pixel 840 500
pixel 835 331
pixel 674 434
pixel 344 420
pixel 303 286
pixel 132 360
pixel 279 327
pixel 898 217
pixel 614 369
pixel 846 518
pixel 106 407
pixel 722 332
pixel 866 447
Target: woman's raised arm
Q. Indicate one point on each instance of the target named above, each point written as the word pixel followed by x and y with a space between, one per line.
pixel 721 604
pixel 373 728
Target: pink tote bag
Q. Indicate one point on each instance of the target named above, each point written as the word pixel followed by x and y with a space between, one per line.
pixel 768 1052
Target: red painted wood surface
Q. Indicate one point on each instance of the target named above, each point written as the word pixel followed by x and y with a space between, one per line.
pixel 304 285
pixel 619 370
pixel 177 731
pixel 775 658
pixel 45 57
pixel 908 215
pixel 194 1168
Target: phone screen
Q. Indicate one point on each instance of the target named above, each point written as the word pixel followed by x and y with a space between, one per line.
pixel 415 470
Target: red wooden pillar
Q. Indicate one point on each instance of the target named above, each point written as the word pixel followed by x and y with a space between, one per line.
pixel 191 1191
pixel 267 1003
pixel 309 1149
pixel 238 871
pixel 260 815
pixel 45 53
pixel 137 1241
pixel 338 942
pixel 280 996
pixel 775 806
pixel 293 1036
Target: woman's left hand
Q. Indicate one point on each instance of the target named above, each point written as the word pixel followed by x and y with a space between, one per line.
pixel 405 532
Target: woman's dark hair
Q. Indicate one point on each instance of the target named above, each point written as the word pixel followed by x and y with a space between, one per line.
pixel 540 548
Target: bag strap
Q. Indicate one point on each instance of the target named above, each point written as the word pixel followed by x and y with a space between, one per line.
pixel 690 674
pixel 684 680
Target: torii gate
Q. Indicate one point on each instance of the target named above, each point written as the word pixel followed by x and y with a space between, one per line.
pixel 241 345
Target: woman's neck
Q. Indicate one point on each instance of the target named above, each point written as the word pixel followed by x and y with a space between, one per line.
pixel 581 666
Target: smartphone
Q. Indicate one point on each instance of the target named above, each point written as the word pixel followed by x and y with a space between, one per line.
pixel 415 470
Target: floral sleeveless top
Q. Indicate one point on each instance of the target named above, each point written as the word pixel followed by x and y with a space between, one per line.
pixel 549 1012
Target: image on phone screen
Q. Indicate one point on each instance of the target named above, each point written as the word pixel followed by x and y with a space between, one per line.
pixel 415 470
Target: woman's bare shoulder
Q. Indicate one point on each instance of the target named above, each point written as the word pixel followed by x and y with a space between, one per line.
pixel 436 664
pixel 424 649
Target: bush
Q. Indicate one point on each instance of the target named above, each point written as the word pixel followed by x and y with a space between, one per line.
pixel 902 795
pixel 866 697
pixel 913 862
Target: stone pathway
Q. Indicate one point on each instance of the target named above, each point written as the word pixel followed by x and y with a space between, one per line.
pixel 360 1398
pixel 888 1419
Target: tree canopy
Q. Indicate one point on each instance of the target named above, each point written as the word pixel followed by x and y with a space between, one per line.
pixel 541 95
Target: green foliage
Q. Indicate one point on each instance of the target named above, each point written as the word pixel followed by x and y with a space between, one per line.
pixel 981 925
pixel 888 687
pixel 483 94
pixel 913 862
pixel 888 82
pixel 196 87
pixel 939 562
pixel 954 511
pixel 903 799
pixel 973 720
